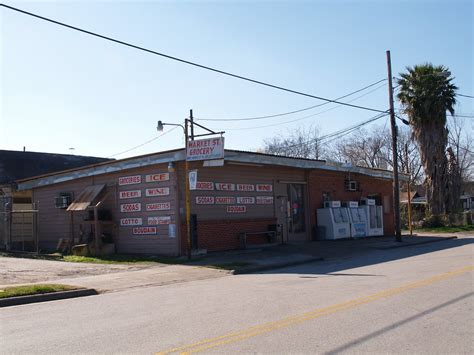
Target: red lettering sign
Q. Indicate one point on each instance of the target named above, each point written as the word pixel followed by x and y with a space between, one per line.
pixel 158 191
pixel 130 180
pixel 130 194
pixel 245 187
pixel 157 177
pixel 201 185
pixel 264 200
pixel 246 200
pixel 130 221
pixel 264 187
pixel 144 230
pixel 204 200
pixel 225 186
pixel 236 209
pixel 153 221
pixel 225 200
pixel 131 207
pixel 159 206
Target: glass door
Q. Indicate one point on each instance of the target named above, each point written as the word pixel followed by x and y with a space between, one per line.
pixel 296 207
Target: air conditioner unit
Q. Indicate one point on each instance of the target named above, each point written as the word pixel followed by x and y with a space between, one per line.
pixel 351 185
pixel 63 200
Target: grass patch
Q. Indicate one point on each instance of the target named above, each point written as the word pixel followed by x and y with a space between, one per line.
pixel 230 266
pixel 14 291
pixel 121 259
pixel 467 228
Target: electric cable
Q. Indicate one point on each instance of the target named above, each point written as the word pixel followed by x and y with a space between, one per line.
pixel 185 61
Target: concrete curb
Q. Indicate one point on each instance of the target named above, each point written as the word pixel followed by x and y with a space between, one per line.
pixel 437 240
pixel 258 268
pixel 44 297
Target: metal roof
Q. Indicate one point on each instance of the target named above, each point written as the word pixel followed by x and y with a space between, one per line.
pixel 179 155
pixel 85 198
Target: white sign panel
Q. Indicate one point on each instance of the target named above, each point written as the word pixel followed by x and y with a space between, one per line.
pixel 236 209
pixel 131 221
pixel 245 187
pixel 202 185
pixel 221 186
pixel 172 230
pixel 225 200
pixel 264 188
pixel 158 191
pixel 157 177
pixel 193 176
pixel 204 200
pixel 264 200
pixel 144 230
pixel 131 207
pixel 130 194
pixel 205 149
pixel 246 200
pixel 130 180
pixel 159 206
pixel 153 221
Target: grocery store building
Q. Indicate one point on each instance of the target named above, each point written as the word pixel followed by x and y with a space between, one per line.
pixel 140 201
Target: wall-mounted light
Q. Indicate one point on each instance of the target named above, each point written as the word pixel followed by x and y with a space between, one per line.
pixel 170 165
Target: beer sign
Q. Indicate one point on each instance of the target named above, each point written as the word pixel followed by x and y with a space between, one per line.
pixel 130 194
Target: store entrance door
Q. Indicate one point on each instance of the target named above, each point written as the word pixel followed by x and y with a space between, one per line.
pixel 296 211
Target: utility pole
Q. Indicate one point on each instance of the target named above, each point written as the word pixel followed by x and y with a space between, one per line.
pixel 186 187
pixel 396 186
pixel 191 119
pixel 410 226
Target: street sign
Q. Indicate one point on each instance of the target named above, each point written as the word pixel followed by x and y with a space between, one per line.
pixel 205 149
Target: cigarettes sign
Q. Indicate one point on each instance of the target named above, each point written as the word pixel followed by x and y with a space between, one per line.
pixel 205 149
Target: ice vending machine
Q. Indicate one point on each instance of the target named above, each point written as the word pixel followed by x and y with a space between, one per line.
pixel 333 220
pixel 374 215
pixel 357 219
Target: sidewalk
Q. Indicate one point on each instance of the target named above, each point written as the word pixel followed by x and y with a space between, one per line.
pixel 217 265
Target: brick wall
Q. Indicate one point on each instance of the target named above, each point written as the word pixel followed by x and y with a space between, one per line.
pixel 224 234
pixel 331 184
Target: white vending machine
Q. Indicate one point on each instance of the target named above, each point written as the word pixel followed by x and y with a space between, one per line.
pixel 357 219
pixel 374 216
pixel 333 221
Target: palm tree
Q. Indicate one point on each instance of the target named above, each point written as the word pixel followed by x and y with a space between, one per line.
pixel 426 93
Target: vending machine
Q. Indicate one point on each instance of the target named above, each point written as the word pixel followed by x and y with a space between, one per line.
pixel 357 219
pixel 374 214
pixel 333 221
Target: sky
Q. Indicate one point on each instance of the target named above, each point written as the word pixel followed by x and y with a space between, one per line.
pixel 66 92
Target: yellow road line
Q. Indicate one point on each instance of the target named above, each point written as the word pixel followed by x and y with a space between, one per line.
pixel 293 320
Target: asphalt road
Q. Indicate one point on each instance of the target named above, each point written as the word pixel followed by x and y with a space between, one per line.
pixel 407 300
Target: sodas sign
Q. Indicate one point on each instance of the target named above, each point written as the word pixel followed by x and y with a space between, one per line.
pixel 204 200
pixel 131 207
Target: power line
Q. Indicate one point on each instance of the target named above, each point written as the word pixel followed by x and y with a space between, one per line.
pixel 304 117
pixel 290 112
pixel 469 96
pixel 186 61
pixel 144 143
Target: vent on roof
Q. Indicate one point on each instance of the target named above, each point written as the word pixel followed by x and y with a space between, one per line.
pixel 63 200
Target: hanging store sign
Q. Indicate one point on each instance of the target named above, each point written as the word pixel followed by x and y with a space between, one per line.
pixel 205 149
pixel 130 194
pixel 130 180
pixel 225 200
pixel 201 185
pixel 158 191
pixel 225 186
pixel 153 221
pixel 131 221
pixel 144 230
pixel 264 200
pixel 131 207
pixel 204 200
pixel 246 200
pixel 236 209
pixel 264 188
pixel 159 206
pixel 157 177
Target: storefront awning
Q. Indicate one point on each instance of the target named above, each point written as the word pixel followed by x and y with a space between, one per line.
pixel 86 197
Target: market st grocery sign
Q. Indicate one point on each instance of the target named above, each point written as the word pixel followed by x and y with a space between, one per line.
pixel 205 149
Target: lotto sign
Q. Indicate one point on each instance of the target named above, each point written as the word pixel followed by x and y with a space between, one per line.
pixel 225 200
pixel 131 207
pixel 264 188
pixel 159 206
pixel 225 186
pixel 144 230
pixel 204 200
pixel 201 185
pixel 205 149
pixel 157 177
pixel 130 180
pixel 236 209
pixel 131 222
pixel 130 194
pixel 246 200
pixel 153 221
pixel 264 200
pixel 159 191
pixel 245 187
